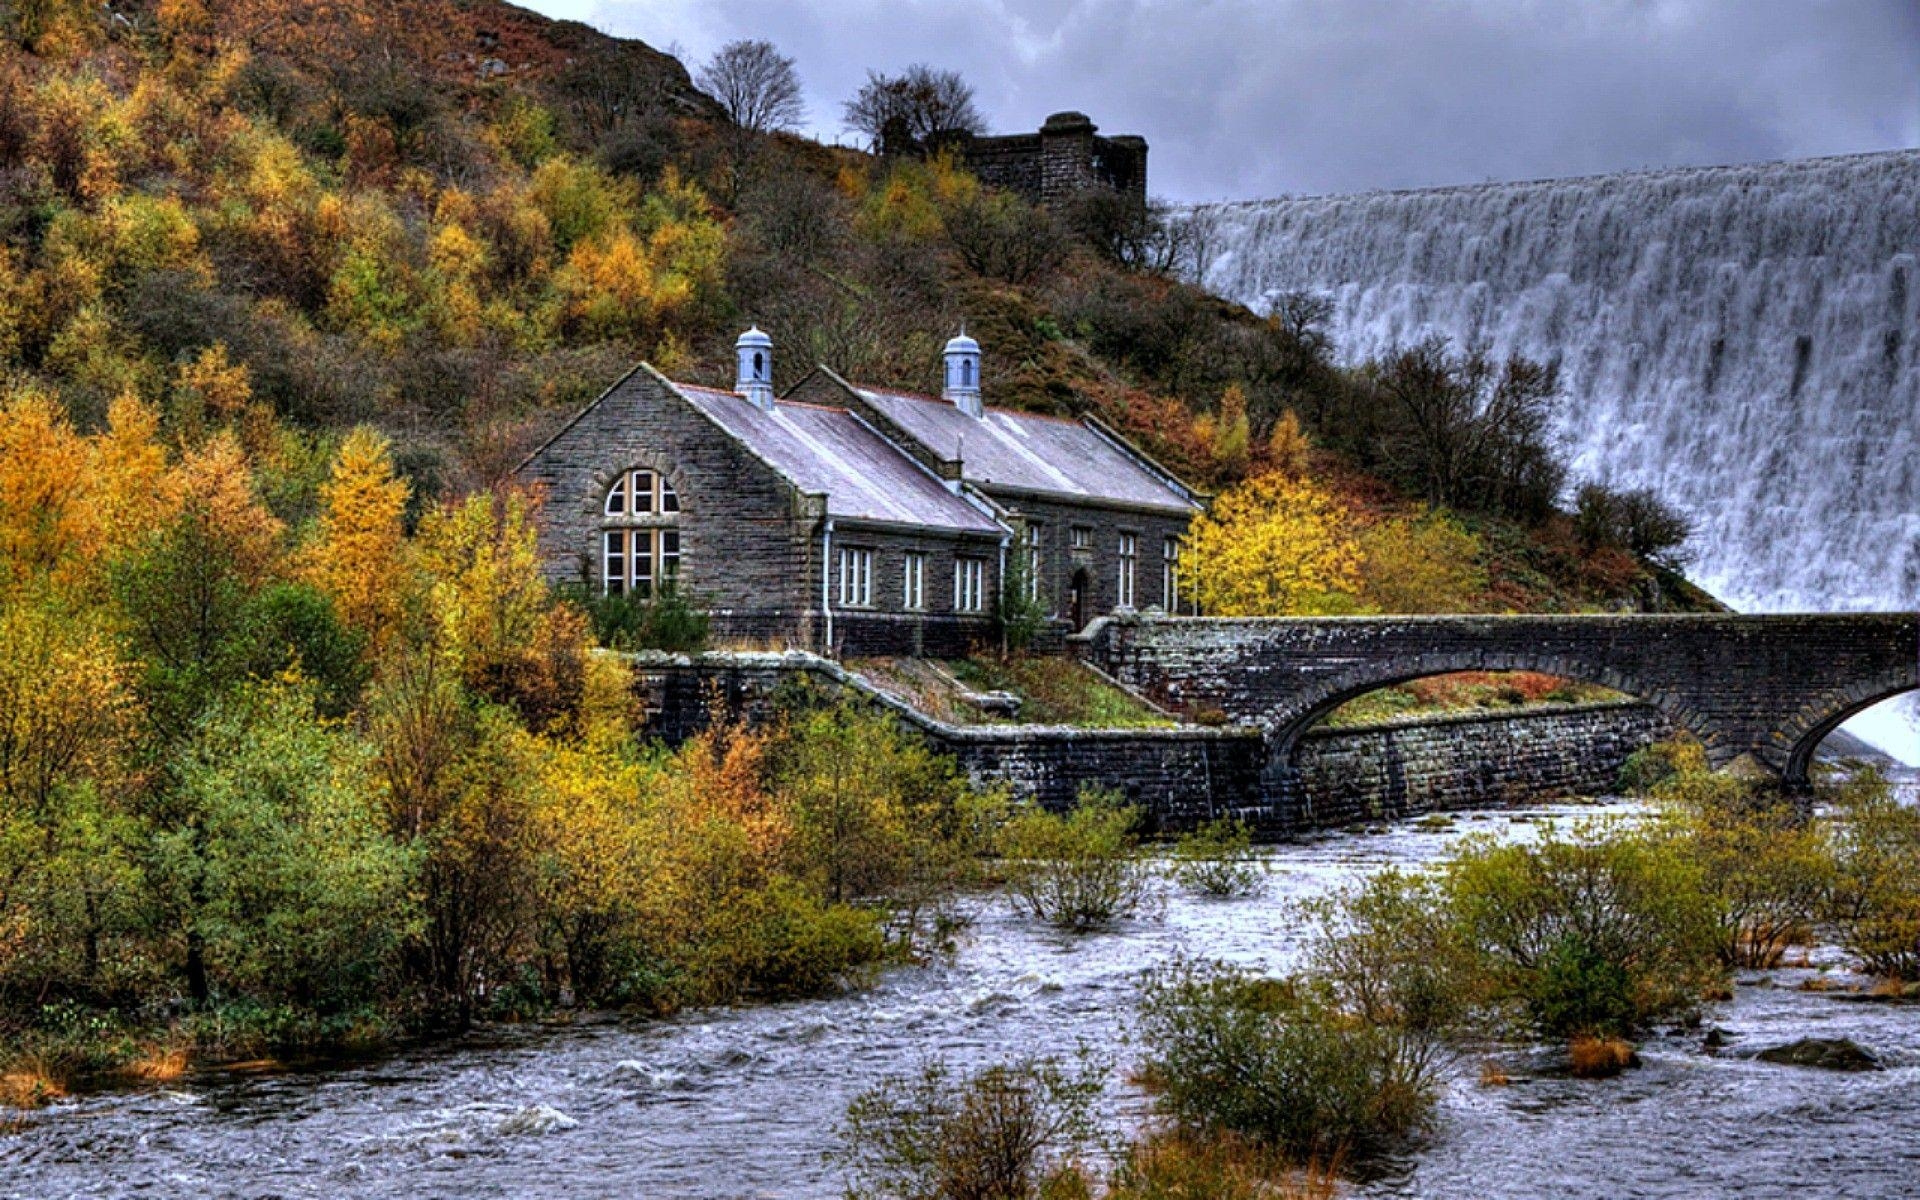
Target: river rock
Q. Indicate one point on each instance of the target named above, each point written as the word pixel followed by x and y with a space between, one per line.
pixel 1826 1054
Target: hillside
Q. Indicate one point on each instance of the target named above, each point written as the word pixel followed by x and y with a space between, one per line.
pixel 456 220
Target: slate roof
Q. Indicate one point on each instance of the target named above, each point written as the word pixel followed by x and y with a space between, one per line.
pixel 820 449
pixel 1030 452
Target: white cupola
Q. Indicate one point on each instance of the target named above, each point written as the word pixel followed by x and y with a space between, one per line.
pixel 755 352
pixel 962 388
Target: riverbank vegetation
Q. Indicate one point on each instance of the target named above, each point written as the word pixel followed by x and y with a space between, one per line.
pixel 292 784
pixel 1585 938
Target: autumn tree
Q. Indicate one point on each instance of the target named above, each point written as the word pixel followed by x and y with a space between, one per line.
pixel 359 558
pixel 1274 546
pixel 755 84
pixel 1424 563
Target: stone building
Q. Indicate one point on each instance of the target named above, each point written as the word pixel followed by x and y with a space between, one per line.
pixel 1066 159
pixel 852 519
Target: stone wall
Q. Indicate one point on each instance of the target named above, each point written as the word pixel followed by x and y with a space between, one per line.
pixel 1182 777
pixel 1066 159
pixel 1763 688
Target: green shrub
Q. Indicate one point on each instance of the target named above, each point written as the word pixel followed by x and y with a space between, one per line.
pixel 1767 866
pixel 1594 934
pixel 1218 859
pixel 1007 1132
pixel 1875 901
pixel 1280 1062
pixel 668 621
pixel 1081 870
pixel 1649 766
pixel 1392 954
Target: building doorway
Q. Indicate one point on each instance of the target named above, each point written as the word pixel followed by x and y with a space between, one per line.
pixel 1077 598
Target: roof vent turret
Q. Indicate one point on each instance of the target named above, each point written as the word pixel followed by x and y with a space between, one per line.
pixel 755 382
pixel 962 387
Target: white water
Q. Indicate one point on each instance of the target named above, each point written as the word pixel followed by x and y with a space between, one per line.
pixel 1741 339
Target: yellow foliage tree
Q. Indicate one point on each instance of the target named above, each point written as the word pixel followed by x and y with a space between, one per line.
pixel 1425 563
pixel 213 383
pixel 64 701
pixel 216 482
pixel 1231 434
pixel 481 569
pixel 1274 546
pixel 1288 447
pixel 359 558
pixel 129 470
pixel 46 524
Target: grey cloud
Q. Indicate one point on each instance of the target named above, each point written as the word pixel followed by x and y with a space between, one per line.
pixel 1246 98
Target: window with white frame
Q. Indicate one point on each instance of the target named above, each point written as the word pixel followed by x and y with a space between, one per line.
pixel 1170 574
pixel 1031 541
pixel 1129 548
pixel 639 543
pixel 642 493
pixel 969 585
pixel 1082 537
pixel 913 582
pixel 856 577
pixel 635 561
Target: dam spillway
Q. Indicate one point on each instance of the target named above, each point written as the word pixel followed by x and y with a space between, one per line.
pixel 1740 339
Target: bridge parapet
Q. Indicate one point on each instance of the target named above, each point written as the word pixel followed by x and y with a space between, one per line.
pixel 1768 688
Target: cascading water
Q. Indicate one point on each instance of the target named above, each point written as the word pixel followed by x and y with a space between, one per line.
pixel 1740 339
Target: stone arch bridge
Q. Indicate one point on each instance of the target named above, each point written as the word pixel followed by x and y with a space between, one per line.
pixel 1761 691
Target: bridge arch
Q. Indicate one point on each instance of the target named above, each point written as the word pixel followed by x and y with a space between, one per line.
pixel 1805 733
pixel 1761 689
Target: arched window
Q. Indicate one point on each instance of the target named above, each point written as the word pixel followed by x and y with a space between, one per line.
pixel 640 538
pixel 759 364
pixel 966 372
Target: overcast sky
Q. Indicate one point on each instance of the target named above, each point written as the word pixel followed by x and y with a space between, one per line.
pixel 1251 98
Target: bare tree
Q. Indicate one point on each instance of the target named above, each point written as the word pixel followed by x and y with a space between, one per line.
pixel 756 84
pixel 919 102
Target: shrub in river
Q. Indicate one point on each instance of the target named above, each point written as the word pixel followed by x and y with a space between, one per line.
pixel 1006 1132
pixel 1392 954
pixel 1218 859
pixel 1597 933
pixel 1767 867
pixel 1875 901
pixel 1172 1166
pixel 1081 870
pixel 1649 766
pixel 1280 1062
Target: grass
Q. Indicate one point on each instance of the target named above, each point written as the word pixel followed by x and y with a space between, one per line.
pixel 1468 691
pixel 1058 691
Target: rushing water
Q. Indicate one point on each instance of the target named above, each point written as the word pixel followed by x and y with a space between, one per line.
pixel 742 1103
pixel 1744 340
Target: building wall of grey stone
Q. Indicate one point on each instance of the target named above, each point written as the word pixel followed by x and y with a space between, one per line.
pixel 1183 777
pixel 1064 160
pixel 750 543
pixel 1060 561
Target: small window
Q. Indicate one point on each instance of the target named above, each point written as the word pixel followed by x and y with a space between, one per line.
pixel 617 498
pixel 1031 538
pixel 669 499
pixel 966 372
pixel 856 577
pixel 643 492
pixel 969 585
pixel 1082 538
pixel 913 582
pixel 613 571
pixel 1170 574
pixel 669 554
pixel 642 556
pixel 1128 547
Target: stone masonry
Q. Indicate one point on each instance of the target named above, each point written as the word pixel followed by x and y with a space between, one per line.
pixel 1764 689
pixel 1183 777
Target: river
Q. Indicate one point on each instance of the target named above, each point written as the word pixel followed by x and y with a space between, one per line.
pixel 742 1103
